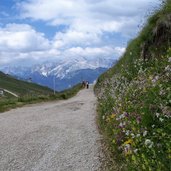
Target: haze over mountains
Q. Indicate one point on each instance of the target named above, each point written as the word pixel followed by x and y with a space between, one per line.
pixel 62 74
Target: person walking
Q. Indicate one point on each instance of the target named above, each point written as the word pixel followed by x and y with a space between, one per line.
pixel 87 84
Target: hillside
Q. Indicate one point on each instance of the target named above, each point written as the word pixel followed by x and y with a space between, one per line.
pixel 22 87
pixel 135 99
pixel 27 93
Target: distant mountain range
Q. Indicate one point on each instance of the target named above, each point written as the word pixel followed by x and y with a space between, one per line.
pixel 62 74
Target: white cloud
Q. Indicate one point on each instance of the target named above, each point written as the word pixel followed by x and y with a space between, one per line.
pixel 97 52
pixel 22 43
pixel 87 21
pixel 87 15
pixel 76 38
pixel 21 37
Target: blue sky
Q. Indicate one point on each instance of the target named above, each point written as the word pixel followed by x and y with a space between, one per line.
pixel 34 31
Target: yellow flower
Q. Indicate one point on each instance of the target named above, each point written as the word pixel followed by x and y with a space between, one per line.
pixel 113 116
pixel 129 141
pixel 127 153
pixel 108 119
pixel 114 141
pixel 150 77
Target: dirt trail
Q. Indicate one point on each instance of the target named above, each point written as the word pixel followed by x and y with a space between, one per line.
pixel 10 92
pixel 55 136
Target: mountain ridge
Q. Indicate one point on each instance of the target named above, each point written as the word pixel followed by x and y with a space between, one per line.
pixel 65 73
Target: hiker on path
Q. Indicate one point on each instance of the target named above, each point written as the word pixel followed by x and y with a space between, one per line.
pixel 83 84
pixel 87 84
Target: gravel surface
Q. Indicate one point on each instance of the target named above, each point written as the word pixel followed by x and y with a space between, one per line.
pixel 55 136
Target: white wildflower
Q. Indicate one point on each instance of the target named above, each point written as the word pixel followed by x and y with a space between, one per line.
pixel 122 116
pixel 157 114
pixel 117 119
pixel 136 150
pixel 132 135
pixel 138 135
pixel 167 68
pixel 127 132
pixel 161 119
pixel 148 143
pixel 169 59
pixel 144 133
pixel 121 124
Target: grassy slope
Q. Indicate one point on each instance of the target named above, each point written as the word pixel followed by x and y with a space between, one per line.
pixel 22 87
pixel 135 99
pixel 29 93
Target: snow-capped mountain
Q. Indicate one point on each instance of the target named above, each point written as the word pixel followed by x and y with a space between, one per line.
pixel 62 74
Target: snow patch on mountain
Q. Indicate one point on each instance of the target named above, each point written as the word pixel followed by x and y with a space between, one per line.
pixel 67 72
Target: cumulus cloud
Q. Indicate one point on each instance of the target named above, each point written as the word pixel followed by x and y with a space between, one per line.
pixel 21 37
pixel 86 15
pixel 20 42
pixel 87 23
pixel 94 52
pixel 77 38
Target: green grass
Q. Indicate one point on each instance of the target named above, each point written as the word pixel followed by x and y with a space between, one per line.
pixel 29 93
pixel 22 87
pixel 7 103
pixel 135 100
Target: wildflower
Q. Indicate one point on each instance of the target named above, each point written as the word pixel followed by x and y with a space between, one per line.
pixel 148 143
pixel 144 133
pixel 169 59
pixel 122 116
pixel 126 114
pixel 157 114
pixel 161 119
pixel 153 126
pixel 113 116
pixel 138 135
pixel 167 68
pixel 127 149
pixel 133 136
pixel 122 124
pixel 117 119
pixel 155 79
pixel 161 92
pixel 136 150
pixel 129 141
pixel 138 119
pixel 127 132
pixel 150 77
pixel 113 141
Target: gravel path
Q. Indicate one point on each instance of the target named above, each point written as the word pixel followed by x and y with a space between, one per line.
pixel 55 136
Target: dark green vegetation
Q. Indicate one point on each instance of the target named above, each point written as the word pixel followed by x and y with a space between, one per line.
pixel 28 93
pixel 135 99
